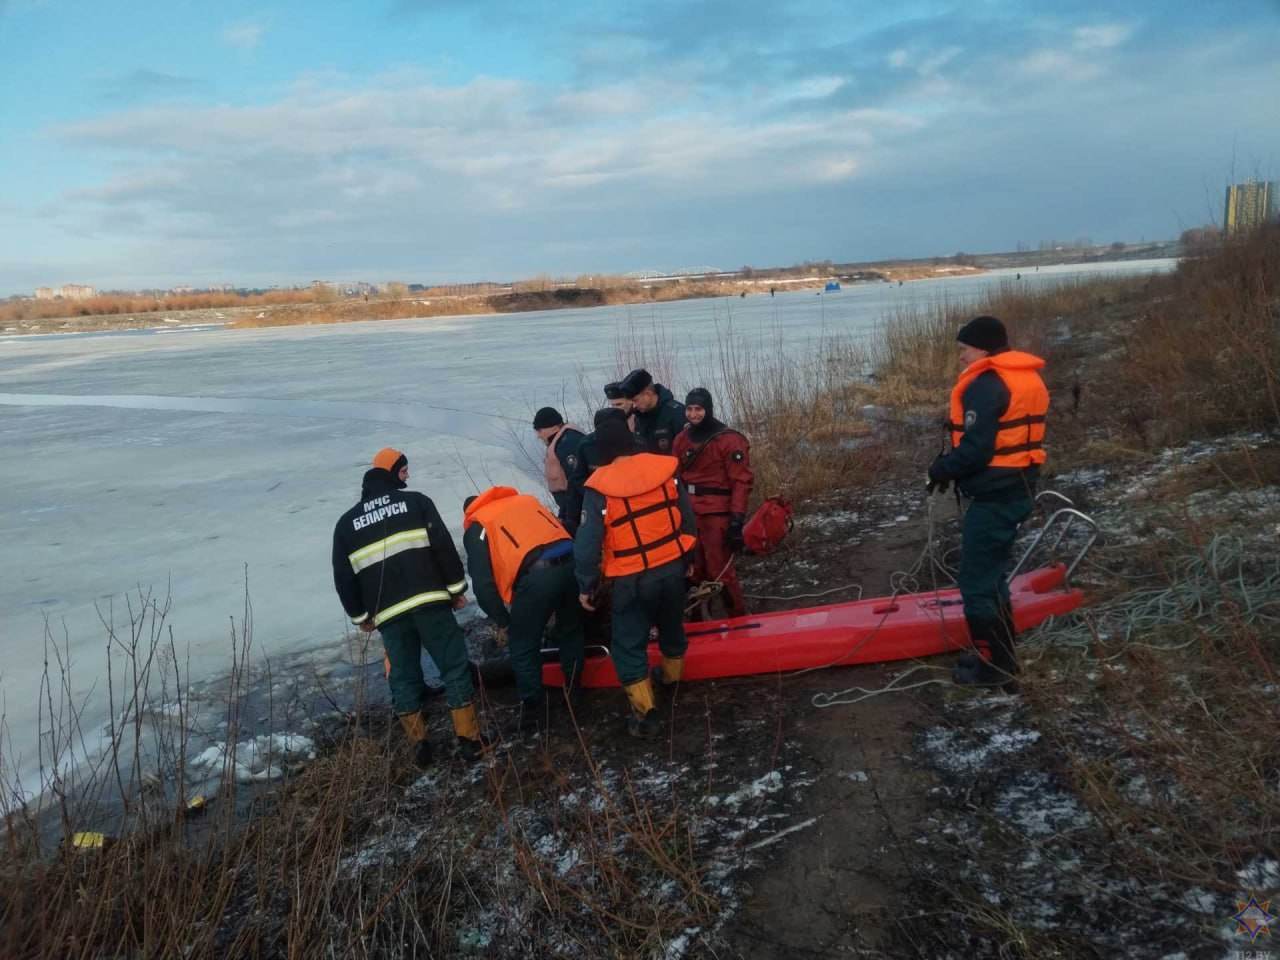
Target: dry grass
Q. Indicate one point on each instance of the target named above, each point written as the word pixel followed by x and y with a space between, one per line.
pixel 114 305
pixel 915 359
pixel 344 859
pixel 1205 356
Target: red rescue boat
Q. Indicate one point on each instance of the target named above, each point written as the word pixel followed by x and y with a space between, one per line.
pixel 866 631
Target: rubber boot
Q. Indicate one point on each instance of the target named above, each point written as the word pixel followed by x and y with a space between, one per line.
pixel 415 728
pixel 999 671
pixel 1003 657
pixel 643 721
pixel 471 742
pixel 666 674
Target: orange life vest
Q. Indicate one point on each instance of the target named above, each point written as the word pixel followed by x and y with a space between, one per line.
pixel 641 514
pixel 1020 439
pixel 514 523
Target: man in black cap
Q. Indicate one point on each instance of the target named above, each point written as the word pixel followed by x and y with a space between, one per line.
pixel 659 415
pixel 562 463
pixel 996 427
pixel 620 401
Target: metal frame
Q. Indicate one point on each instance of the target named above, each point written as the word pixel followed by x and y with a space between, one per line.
pixel 1071 514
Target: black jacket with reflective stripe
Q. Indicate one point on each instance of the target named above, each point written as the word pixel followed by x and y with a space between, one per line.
pixel 392 553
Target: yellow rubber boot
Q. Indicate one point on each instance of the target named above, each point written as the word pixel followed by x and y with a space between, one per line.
pixel 466 724
pixel 672 670
pixel 415 728
pixel 644 721
pixel 640 695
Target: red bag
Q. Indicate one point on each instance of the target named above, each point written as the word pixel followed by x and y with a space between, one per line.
pixel 768 526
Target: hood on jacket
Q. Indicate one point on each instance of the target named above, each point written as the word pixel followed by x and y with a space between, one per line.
pixel 377 481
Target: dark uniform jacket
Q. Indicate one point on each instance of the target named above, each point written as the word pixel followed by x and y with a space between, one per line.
pixel 658 428
pixel 987 399
pixel 569 502
pixel 392 553
pixel 716 471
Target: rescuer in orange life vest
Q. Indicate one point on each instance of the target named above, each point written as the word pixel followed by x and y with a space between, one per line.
pixel 562 466
pixel 997 424
pixel 396 569
pixel 638 529
pixel 715 467
pixel 520 559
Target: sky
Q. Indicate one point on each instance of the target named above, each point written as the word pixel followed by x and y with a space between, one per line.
pixel 181 143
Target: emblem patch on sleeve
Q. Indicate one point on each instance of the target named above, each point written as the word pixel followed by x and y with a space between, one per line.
pixel 572 461
pixel 970 418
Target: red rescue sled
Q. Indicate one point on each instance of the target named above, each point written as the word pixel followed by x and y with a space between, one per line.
pixel 866 631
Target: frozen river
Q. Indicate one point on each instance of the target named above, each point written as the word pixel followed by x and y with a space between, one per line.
pixel 178 460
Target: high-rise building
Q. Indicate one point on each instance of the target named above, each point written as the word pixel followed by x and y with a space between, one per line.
pixel 1250 204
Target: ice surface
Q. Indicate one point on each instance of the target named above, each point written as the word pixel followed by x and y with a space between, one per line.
pixel 202 463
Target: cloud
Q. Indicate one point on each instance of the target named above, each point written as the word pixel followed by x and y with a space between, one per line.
pixel 1101 36
pixel 245 35
pixel 727 139
pixel 1059 65
pixel 408 164
pixel 144 82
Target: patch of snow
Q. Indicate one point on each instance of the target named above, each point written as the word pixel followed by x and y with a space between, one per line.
pixel 1260 874
pixel 1200 901
pixel 1038 808
pixel 857 776
pixel 678 946
pixel 771 782
pixel 956 752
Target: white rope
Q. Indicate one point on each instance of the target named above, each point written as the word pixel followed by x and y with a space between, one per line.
pixel 808 596
pixel 842 698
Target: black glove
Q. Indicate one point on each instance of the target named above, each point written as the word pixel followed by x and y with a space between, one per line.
pixel 733 536
pixel 937 479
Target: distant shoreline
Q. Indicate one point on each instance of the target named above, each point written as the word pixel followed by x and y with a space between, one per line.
pixel 528 297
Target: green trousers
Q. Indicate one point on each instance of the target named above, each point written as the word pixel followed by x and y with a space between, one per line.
pixel 986 556
pixel 539 594
pixel 643 600
pixel 434 629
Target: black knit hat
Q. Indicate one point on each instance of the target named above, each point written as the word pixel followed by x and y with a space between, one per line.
pixel 635 382
pixel 985 333
pixel 547 417
pixel 609 413
pixel 613 391
pixel 614 439
pixel 701 397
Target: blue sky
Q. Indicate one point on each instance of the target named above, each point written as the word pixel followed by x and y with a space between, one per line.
pixel 190 143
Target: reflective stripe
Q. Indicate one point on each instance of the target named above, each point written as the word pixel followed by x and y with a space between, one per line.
pixel 431 596
pixel 360 619
pixel 375 553
pixel 457 587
